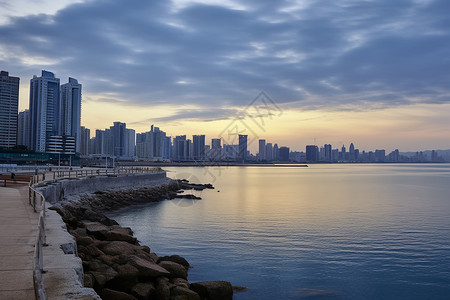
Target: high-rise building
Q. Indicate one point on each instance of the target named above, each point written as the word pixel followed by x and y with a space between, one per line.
pixel 343 153
pixel 380 155
pixel 122 141
pixel 216 144
pixel 119 139
pixel 130 143
pixel 269 152
pixel 275 152
pixel 85 136
pixel 262 150
pixel 284 154
pixel 158 143
pixel 312 153
pixel 327 149
pixel 71 111
pixel 351 152
pixel 242 155
pixel 179 152
pixel 153 145
pixel 44 110
pixel 198 144
pixel 216 153
pixel 167 148
pixel 23 129
pixel 101 142
pixel 9 104
pixel 144 147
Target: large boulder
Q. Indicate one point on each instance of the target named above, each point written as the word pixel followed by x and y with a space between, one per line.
pixel 162 291
pixel 84 240
pixel 143 291
pixel 182 293
pixel 117 233
pixel 147 268
pixel 126 278
pixel 103 275
pixel 96 229
pixel 176 270
pixel 180 282
pixel 120 248
pixel 175 258
pixel 213 290
pixel 115 295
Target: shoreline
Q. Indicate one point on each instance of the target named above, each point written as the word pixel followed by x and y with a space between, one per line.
pixel 207 164
pixel 115 265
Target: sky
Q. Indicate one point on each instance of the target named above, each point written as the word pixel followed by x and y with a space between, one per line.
pixel 375 73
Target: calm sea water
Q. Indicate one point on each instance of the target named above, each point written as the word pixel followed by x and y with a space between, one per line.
pixel 322 232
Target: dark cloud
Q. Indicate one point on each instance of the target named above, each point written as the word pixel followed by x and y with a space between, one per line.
pixel 204 115
pixel 321 54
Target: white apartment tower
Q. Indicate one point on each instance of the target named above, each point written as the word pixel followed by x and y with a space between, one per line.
pixel 44 110
pixel 71 111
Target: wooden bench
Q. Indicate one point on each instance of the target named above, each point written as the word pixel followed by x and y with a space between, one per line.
pixel 17 178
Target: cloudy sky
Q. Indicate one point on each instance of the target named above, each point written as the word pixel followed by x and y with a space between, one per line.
pixel 375 73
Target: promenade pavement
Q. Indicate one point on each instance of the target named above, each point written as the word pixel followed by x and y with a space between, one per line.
pixel 18 230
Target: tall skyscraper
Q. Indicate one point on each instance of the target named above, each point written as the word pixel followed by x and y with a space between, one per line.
pixel 351 152
pixel 23 129
pixel 71 111
pixel 312 153
pixel 102 142
pixel 153 145
pixel 242 155
pixel 85 136
pixel 284 154
pixel 122 140
pixel 198 144
pixel 262 150
pixel 269 152
pixel 216 144
pixel 275 152
pixel 130 143
pixel 9 104
pixel 44 110
pixel 216 150
pixel 179 148
pixel 328 152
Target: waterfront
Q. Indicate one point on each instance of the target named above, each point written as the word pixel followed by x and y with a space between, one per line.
pixel 322 232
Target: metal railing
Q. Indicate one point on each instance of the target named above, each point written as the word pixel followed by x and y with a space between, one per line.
pixel 79 173
pixel 37 201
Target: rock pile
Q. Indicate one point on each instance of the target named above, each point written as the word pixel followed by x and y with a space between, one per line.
pixel 114 262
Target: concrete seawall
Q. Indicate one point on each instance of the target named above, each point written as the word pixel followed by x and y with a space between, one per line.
pixel 56 191
pixel 64 276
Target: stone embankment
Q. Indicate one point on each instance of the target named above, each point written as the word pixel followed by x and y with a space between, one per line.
pixel 115 265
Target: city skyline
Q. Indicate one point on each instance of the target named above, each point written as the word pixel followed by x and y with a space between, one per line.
pixel 371 72
pixel 63 126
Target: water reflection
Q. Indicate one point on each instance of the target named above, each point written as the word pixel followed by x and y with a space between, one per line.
pixel 359 231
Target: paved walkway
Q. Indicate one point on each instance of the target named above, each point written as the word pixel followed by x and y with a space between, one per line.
pixel 18 230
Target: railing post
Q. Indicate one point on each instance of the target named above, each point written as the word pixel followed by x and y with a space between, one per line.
pixel 34 200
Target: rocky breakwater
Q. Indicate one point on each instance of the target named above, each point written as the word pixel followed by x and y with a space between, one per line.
pixel 116 265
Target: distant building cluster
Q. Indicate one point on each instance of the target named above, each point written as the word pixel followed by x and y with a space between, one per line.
pixel 52 122
pixel 51 126
pixel 327 154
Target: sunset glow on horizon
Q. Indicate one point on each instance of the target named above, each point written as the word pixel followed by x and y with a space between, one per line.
pixel 371 73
